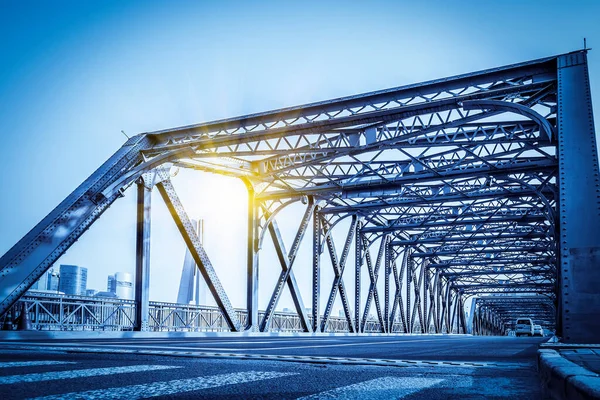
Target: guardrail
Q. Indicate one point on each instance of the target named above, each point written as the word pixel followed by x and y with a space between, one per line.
pixel 48 311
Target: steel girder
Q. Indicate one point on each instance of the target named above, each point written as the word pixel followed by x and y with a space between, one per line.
pixel 451 180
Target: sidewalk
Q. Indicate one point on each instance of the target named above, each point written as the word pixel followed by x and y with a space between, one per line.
pixel 570 371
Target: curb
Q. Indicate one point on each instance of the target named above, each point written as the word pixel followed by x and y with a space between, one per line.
pixel 563 379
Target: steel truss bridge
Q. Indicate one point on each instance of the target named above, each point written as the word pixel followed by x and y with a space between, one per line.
pixel 482 185
pixel 495 315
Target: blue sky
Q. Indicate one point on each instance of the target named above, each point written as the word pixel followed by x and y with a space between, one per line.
pixel 74 74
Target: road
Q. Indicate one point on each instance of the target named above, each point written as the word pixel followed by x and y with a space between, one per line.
pixel 290 367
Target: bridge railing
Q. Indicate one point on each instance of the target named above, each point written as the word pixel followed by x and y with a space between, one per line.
pixel 49 311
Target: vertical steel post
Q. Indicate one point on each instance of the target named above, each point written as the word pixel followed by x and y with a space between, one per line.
pixel 142 250
pixel 409 267
pixel 358 262
pixel 387 270
pixel 579 203
pixel 316 270
pixel 252 262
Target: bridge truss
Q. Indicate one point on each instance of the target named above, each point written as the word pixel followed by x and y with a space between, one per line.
pixel 495 315
pixel 453 188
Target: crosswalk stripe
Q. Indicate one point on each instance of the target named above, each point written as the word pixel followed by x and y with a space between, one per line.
pixel 81 373
pixel 33 363
pixel 170 387
pixel 381 388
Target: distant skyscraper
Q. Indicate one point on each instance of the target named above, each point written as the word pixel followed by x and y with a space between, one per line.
pixel 124 285
pixel 192 286
pixel 121 284
pixel 52 280
pixel 73 280
pixel 111 285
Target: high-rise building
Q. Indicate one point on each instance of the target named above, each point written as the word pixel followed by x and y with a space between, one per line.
pixel 124 285
pixel 111 284
pixel 121 284
pixel 73 280
pixel 52 280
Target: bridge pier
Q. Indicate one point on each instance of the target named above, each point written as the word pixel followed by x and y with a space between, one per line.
pixel 579 204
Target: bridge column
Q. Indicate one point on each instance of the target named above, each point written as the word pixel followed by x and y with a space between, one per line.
pixel 386 283
pixel 316 271
pixel 252 324
pixel 358 260
pixel 142 264
pixel 579 203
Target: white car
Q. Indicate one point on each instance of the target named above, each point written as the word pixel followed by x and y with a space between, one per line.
pixel 524 327
pixel 538 330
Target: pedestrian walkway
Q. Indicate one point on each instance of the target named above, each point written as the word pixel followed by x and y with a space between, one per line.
pixel 588 358
pixel 570 371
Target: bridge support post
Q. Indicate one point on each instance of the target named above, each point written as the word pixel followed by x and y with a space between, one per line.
pixel 579 204
pixel 252 266
pixel 316 271
pixel 142 249
pixel 358 259
pixel 386 283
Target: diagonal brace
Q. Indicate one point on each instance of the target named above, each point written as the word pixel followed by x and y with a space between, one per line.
pixel 338 282
pixel 287 261
pixel 167 191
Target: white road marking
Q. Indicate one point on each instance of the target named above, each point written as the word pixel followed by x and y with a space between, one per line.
pixel 81 373
pixel 349 344
pixel 163 342
pixel 32 363
pixel 170 387
pixel 241 349
pixel 381 388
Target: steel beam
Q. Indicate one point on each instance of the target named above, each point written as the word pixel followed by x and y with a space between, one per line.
pixel 37 251
pixel 287 262
pixel 142 251
pixel 338 282
pixel 252 324
pixel 316 270
pixel 192 241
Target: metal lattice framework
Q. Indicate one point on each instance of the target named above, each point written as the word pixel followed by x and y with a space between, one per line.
pixel 495 315
pixel 450 186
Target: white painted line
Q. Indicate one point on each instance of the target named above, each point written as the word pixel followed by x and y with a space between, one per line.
pixel 170 387
pixel 241 349
pixel 81 373
pixel 167 342
pixel 33 363
pixel 381 388
pixel 348 344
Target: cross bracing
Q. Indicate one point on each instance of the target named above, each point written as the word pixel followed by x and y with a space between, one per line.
pixel 451 188
pixel 497 314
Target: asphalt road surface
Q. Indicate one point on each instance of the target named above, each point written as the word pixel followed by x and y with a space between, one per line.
pixel 285 367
